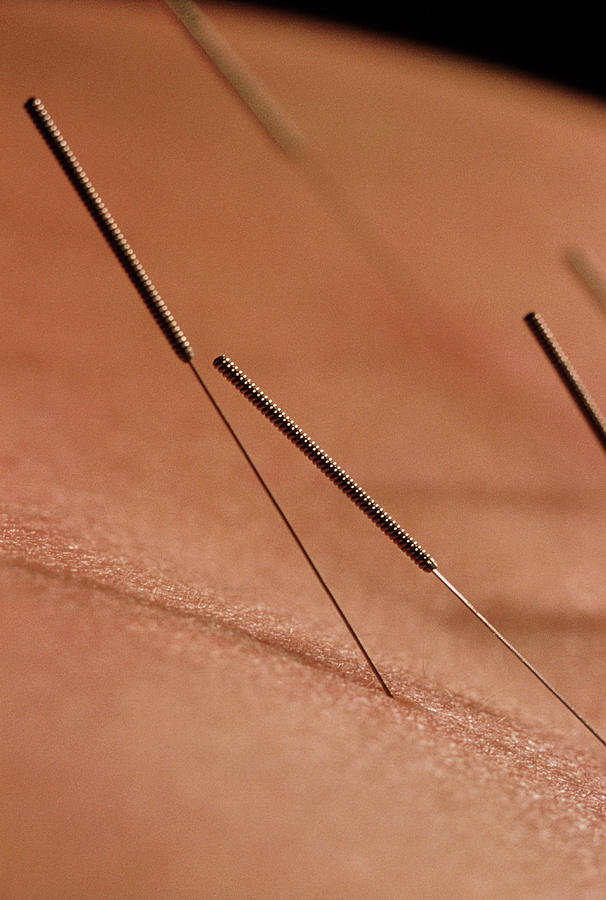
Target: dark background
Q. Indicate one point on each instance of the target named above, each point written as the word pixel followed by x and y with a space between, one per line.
pixel 566 47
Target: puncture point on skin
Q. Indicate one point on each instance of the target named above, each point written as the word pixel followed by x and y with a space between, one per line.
pixel 378 515
pixel 165 321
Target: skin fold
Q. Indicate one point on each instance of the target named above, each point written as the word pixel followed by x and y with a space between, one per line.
pixel 183 714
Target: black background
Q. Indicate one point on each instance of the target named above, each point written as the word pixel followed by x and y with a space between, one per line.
pixel 566 47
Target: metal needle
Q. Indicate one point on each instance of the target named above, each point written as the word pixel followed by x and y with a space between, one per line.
pixel 165 320
pixel 371 508
pixel 294 144
pixel 568 375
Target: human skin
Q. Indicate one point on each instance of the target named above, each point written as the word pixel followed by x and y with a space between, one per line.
pixel 183 713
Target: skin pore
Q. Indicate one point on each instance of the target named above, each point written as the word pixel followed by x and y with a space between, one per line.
pixel 183 714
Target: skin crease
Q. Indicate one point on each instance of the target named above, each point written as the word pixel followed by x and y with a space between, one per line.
pixel 183 714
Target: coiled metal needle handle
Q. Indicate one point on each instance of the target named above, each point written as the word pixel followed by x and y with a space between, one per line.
pixel 336 474
pixel 166 321
pixel 568 375
pixel 108 228
pixel 324 462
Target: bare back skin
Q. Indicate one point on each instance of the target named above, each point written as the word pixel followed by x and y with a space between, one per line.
pixel 183 715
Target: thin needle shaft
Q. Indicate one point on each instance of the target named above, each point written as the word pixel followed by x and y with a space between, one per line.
pixel 568 375
pixel 519 656
pixel 290 528
pixel 164 319
pixel 361 499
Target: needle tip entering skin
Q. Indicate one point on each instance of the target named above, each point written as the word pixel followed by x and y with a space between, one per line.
pixel 127 258
pixel 270 496
pixel 519 657
pixel 349 487
pixel 163 317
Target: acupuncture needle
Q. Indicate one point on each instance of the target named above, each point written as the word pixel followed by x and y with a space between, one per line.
pixel 166 322
pixel 568 375
pixel 183 350
pixel 371 508
pixel 292 142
